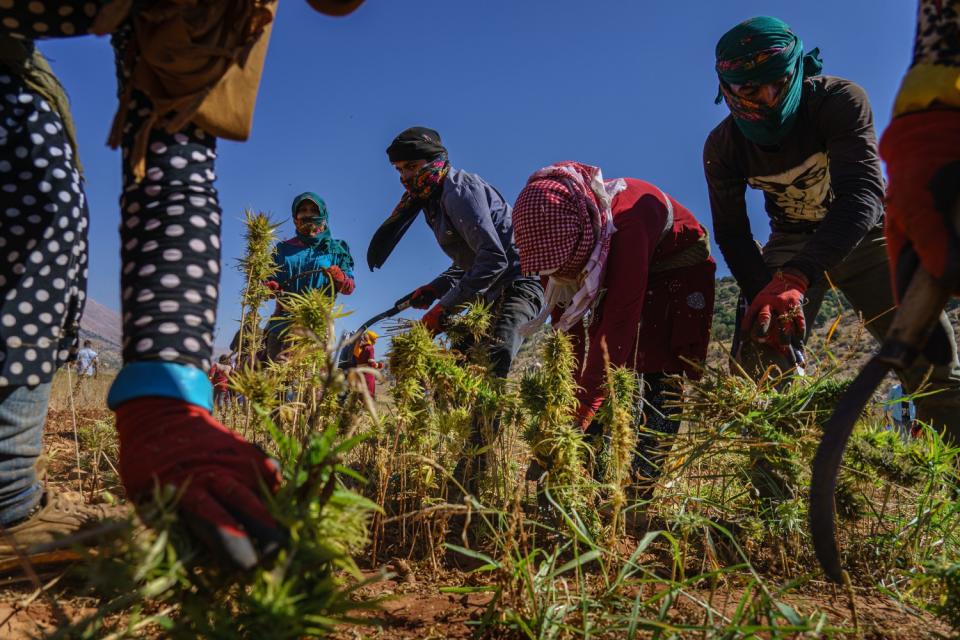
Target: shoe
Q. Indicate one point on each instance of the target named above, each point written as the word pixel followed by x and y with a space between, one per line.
pixel 50 535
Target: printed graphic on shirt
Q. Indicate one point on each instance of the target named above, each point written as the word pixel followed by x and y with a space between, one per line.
pixel 802 193
pixel 938 33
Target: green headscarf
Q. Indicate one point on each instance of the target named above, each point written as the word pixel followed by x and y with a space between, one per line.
pixel 759 51
pixel 323 217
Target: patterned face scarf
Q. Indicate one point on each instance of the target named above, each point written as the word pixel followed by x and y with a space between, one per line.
pixel 758 51
pixel 427 184
pixel 562 224
pixel 311 230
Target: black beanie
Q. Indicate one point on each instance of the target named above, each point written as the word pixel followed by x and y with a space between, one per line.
pixel 415 143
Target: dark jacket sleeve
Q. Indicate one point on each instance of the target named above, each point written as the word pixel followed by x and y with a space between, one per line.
pixel 446 280
pixel 628 271
pixel 846 123
pixel 728 207
pixel 469 211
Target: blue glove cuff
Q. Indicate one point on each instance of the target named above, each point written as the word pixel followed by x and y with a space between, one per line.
pixel 163 380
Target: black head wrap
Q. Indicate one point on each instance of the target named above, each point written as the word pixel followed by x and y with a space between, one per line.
pixel 416 143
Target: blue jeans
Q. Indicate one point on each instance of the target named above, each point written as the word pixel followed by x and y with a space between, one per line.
pixel 23 411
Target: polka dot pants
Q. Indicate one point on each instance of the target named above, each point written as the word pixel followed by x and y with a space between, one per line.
pixel 169 231
pixel 43 238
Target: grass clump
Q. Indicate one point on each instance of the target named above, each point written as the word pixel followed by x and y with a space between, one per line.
pixel 558 446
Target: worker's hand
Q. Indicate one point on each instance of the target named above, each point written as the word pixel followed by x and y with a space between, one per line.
pixel 584 417
pixel 422 297
pixel 775 315
pixel 433 319
pixel 923 164
pixel 221 476
pixel 274 287
pixel 341 281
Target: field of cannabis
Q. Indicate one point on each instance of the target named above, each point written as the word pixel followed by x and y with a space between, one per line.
pixel 554 542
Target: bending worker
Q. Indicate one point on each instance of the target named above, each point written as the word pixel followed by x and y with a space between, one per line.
pixel 473 226
pixel 807 141
pixel 639 263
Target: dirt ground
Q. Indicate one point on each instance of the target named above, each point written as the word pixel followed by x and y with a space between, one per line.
pixel 419 611
pixel 413 606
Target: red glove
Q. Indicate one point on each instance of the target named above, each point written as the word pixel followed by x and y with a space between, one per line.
pixel 274 286
pixel 221 475
pixel 342 283
pixel 423 297
pixel 783 296
pixel 922 152
pixel 432 319
pixel 584 416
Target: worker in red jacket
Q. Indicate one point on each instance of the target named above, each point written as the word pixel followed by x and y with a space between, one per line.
pixel 637 265
pixel 364 357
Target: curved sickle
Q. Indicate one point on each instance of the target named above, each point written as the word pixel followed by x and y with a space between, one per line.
pixel 909 331
pixel 826 464
pixel 345 351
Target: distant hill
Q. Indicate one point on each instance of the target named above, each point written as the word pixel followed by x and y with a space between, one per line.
pixel 102 326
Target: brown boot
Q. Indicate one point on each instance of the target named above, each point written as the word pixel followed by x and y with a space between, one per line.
pixel 50 535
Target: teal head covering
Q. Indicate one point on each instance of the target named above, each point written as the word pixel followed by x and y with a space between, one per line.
pixel 309 232
pixel 760 51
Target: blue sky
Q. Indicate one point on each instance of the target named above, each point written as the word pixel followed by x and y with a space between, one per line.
pixel 511 85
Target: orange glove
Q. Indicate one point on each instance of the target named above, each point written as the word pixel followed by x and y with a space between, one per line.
pixel 922 152
pixel 782 296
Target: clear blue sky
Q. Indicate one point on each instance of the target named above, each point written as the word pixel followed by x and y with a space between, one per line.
pixel 511 85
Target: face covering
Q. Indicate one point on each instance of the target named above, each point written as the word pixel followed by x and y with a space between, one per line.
pixel 312 229
pixel 758 51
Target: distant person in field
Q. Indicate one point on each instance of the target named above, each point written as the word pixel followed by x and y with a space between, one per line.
pixel 220 379
pixel 921 147
pixel 806 141
pixel 364 357
pixel 177 95
pixel 472 223
pixel 311 259
pixel 634 262
pixel 900 411
pixel 88 361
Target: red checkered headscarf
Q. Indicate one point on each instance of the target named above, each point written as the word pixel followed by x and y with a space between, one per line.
pixel 562 221
pixel 552 227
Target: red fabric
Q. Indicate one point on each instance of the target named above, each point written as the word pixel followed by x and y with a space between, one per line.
pixel 647 323
pixel 174 443
pixel 423 297
pixel 219 378
pixel 341 281
pixel 552 226
pixel 782 296
pixel 431 319
pixel 273 285
pixel 365 359
pixel 915 147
